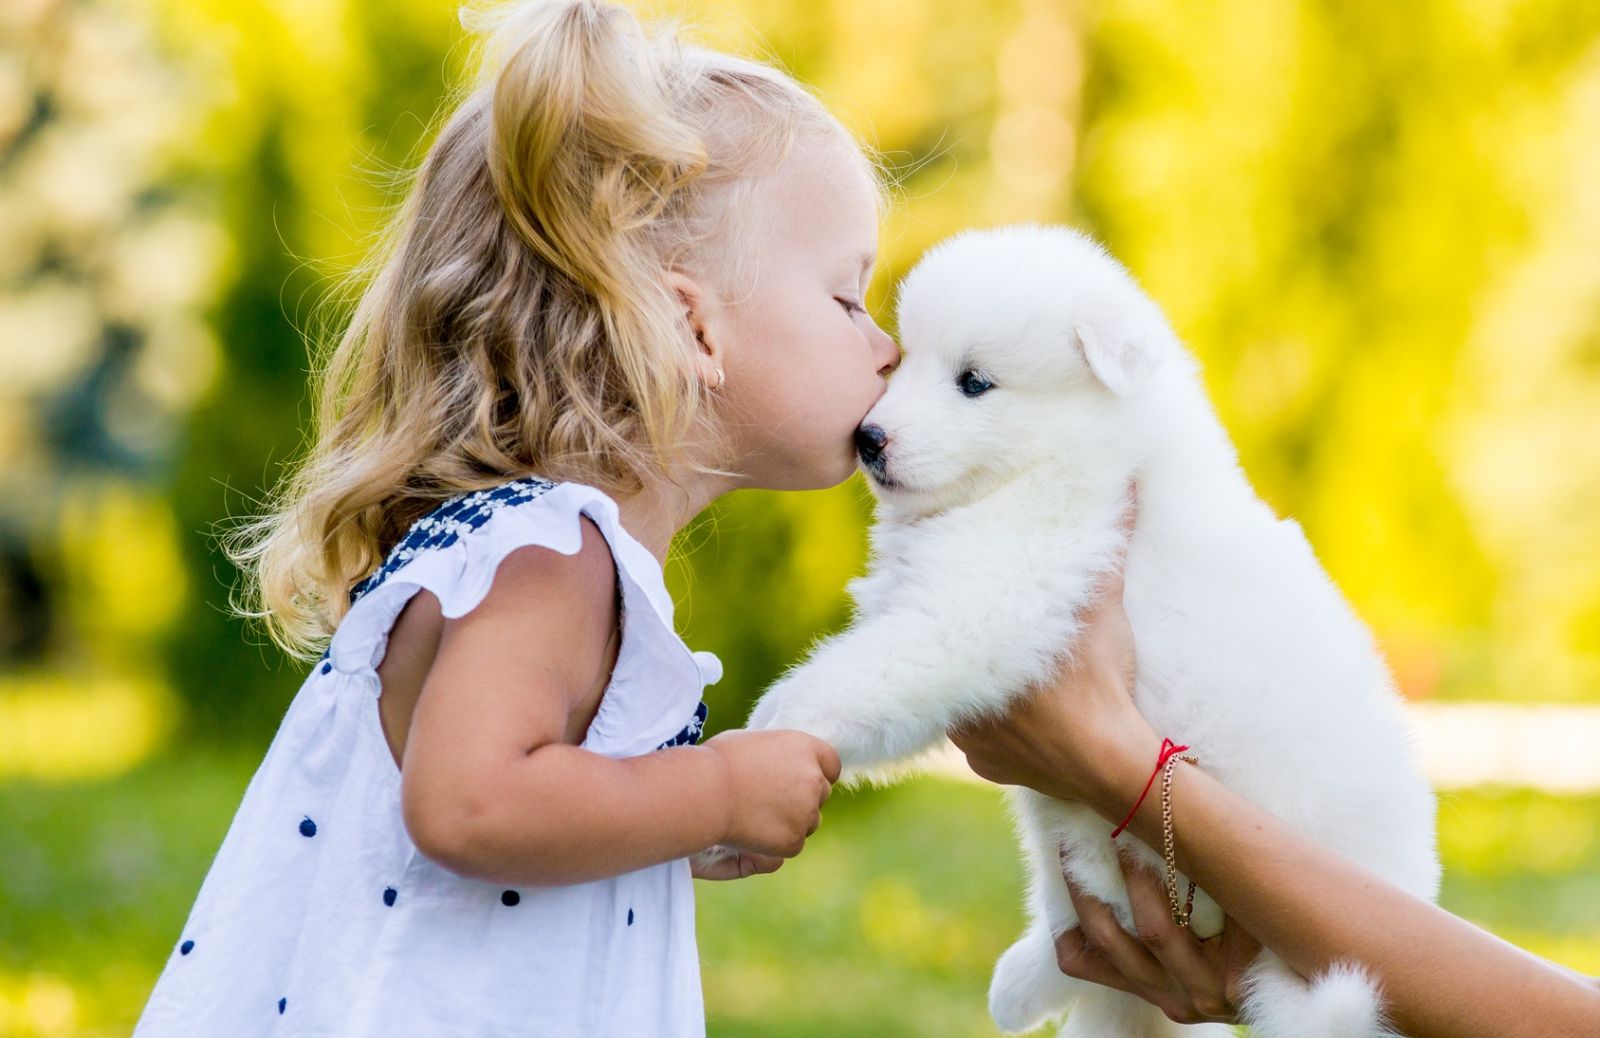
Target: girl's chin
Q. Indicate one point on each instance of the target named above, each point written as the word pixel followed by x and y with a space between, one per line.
pixel 844 472
pixel 840 471
pixel 836 469
pixel 826 476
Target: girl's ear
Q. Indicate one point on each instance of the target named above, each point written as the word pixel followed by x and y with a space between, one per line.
pixel 692 299
pixel 708 359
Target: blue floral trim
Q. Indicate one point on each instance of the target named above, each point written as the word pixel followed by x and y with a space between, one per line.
pixel 691 732
pixel 441 527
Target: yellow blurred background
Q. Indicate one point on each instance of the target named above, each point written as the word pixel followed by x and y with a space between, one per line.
pixel 1377 224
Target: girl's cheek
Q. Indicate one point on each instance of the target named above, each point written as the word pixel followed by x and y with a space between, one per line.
pixel 851 389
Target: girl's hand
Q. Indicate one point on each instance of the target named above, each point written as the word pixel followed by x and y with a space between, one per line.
pixel 1191 980
pixel 721 862
pixel 775 782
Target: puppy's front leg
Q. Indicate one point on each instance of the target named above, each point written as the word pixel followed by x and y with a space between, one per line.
pixel 888 688
pixel 877 692
pixel 955 622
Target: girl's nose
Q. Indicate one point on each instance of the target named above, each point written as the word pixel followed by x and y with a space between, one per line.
pixel 888 350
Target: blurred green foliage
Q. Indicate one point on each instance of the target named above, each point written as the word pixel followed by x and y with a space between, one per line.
pixel 1375 223
pixel 1371 222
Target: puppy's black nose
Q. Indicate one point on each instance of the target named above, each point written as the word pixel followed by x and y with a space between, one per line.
pixel 869 442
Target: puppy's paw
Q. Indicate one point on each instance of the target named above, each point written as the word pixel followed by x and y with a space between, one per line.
pixel 790 702
pixel 766 709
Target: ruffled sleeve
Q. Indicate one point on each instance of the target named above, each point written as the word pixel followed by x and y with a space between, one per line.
pixel 456 552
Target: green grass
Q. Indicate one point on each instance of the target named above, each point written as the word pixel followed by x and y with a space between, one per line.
pixel 887 925
pixel 96 879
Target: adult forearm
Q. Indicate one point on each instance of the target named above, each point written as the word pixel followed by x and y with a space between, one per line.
pixel 566 815
pixel 1440 974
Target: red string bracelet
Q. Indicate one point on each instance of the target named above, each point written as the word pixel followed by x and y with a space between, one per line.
pixel 1168 748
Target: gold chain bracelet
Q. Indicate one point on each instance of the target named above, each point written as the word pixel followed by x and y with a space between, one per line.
pixel 1181 917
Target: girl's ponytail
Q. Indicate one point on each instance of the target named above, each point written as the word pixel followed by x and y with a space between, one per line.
pixel 586 135
pixel 588 151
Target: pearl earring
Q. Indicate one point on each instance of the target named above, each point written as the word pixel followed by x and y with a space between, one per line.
pixel 721 378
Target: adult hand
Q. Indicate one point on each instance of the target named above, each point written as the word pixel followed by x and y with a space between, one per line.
pixel 1192 981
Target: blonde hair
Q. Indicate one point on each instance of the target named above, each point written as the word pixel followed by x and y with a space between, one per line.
pixel 513 318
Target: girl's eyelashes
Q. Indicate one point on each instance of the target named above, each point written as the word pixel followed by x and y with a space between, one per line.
pixel 850 305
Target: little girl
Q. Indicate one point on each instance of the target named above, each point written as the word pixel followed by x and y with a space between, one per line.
pixel 628 279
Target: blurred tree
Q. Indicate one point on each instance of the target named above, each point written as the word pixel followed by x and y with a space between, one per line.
pixel 101 343
pixel 1373 223
pixel 325 96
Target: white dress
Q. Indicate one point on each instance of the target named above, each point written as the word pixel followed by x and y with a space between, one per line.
pixel 319 917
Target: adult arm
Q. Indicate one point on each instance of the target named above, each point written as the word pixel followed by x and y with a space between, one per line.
pixel 1081 739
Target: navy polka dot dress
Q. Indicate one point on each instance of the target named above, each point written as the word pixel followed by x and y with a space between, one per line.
pixel 319 916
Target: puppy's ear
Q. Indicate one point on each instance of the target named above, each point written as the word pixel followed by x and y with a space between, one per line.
pixel 1124 341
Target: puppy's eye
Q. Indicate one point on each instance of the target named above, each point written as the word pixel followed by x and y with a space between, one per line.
pixel 973 384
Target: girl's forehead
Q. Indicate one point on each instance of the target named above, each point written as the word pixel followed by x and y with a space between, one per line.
pixel 822 199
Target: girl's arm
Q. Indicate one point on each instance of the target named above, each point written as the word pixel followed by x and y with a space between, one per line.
pixel 493 788
pixel 566 815
pixel 1081 739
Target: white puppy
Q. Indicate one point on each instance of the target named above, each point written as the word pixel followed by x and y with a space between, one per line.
pixel 1038 381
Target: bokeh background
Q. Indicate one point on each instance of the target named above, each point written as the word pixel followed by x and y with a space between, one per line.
pixel 1378 224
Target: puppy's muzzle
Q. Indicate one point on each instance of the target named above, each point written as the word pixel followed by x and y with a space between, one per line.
pixel 870 441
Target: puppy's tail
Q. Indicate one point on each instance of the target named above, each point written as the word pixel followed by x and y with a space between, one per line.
pixel 1343 1001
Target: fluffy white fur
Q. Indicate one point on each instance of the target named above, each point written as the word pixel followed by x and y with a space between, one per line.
pixel 997 510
